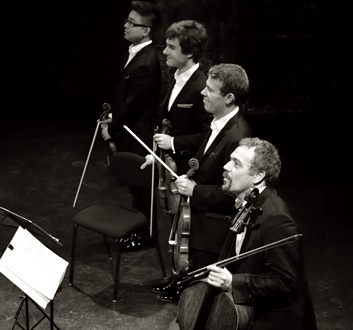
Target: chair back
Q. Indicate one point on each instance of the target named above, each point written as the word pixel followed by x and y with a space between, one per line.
pixel 125 167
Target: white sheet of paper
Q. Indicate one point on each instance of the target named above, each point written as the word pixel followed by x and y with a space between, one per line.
pixel 33 267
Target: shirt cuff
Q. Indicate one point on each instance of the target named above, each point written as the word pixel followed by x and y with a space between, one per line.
pixel 172 143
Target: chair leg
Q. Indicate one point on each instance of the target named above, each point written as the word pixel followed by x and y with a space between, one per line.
pixel 107 247
pixel 117 269
pixel 73 249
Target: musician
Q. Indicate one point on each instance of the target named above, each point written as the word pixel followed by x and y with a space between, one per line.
pixel 182 105
pixel 136 93
pixel 272 282
pixel 224 96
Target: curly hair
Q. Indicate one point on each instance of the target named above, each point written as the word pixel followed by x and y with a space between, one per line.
pixel 266 158
pixel 192 37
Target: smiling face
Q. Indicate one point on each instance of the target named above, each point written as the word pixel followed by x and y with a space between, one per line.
pixel 174 56
pixel 237 179
pixel 136 34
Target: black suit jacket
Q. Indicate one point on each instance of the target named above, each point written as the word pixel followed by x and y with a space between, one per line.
pixel 209 204
pixel 135 100
pixel 188 118
pixel 274 281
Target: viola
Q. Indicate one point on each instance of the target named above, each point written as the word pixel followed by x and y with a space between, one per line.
pixel 168 192
pixel 203 306
pixel 180 232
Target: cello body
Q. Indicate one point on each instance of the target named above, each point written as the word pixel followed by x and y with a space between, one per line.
pixel 223 314
pixel 203 306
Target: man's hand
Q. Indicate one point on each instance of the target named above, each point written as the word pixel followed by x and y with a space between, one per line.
pixel 163 141
pixel 149 161
pixel 220 278
pixel 185 186
pixel 106 122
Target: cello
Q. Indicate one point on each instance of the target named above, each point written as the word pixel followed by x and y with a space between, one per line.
pixel 180 231
pixel 203 306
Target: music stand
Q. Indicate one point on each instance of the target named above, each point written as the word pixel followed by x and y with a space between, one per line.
pixel 9 218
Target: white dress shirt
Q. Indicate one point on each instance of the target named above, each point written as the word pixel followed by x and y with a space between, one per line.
pixel 180 81
pixel 218 124
pixel 133 50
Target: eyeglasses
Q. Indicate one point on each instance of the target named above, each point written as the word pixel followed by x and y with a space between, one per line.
pixel 132 24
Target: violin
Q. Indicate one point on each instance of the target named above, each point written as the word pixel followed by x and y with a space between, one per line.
pixel 203 306
pixel 180 232
pixel 168 192
pixel 106 110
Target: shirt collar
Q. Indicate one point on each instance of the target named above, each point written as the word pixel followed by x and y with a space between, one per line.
pixel 238 202
pixel 135 49
pixel 185 76
pixel 218 124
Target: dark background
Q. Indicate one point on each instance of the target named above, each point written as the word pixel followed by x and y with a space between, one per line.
pixel 58 57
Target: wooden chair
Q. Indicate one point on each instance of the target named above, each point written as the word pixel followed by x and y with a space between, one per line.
pixel 117 220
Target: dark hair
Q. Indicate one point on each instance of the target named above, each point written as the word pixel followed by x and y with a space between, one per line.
pixel 192 37
pixel 266 158
pixel 234 80
pixel 148 11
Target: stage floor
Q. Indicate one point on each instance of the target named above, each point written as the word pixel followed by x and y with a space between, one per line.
pixel 40 169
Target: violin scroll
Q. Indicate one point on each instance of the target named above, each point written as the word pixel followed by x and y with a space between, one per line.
pixel 166 125
pixel 107 109
pixel 194 166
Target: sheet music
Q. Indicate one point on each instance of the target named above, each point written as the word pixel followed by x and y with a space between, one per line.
pixel 33 267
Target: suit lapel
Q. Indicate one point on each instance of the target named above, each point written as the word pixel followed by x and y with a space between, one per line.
pixel 200 154
pixel 167 96
pixel 139 54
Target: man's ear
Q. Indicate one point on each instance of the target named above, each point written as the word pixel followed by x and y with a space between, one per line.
pixel 230 98
pixel 259 177
pixel 148 31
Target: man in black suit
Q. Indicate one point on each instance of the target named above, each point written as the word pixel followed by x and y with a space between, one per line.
pixel 182 107
pixel 273 282
pixel 136 93
pixel 226 89
pixel 183 103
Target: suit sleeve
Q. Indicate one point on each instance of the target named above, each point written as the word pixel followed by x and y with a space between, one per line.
pixel 277 279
